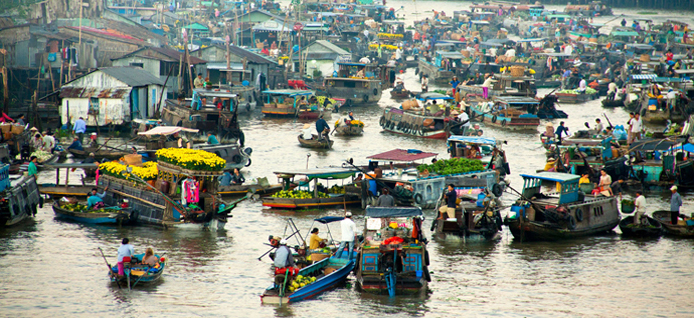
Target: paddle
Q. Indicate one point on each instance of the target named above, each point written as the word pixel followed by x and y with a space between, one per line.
pixel 109 267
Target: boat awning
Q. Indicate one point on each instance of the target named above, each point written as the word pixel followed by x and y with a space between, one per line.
pixel 222 93
pixel 321 173
pixel 288 92
pixel 451 55
pixel 555 54
pixel 624 33
pixel 552 176
pixel 669 80
pixel 686 147
pixel 166 130
pixel 329 219
pixel 532 40
pixel 392 212
pixel 654 144
pixel 473 140
pixel 403 155
pixel 432 96
pixel 689 71
pixel 644 76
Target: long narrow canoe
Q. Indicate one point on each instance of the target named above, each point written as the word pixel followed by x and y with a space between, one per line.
pixel 91 217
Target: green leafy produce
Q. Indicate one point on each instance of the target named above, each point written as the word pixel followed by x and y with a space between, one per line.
pixel 453 166
pixel 589 91
pixel 298 194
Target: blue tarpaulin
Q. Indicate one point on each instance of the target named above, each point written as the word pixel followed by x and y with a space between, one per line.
pixel 329 219
pixel 473 140
pixel 392 212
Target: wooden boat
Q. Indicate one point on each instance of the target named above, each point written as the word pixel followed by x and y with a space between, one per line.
pixel 328 273
pixel 680 229
pixel 506 85
pixel 513 114
pixel 111 217
pixel 99 154
pixel 314 199
pixel 136 273
pixel 563 215
pixel 418 122
pixel 20 198
pixel 261 188
pixel 612 103
pixel 575 98
pixel 315 143
pixel 653 229
pixel 349 130
pixel 58 190
pixel 358 91
pixel 286 103
pixel 191 113
pixel 393 268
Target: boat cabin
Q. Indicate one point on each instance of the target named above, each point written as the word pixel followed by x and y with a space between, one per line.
pixel 567 187
pixel 296 103
pixel 358 83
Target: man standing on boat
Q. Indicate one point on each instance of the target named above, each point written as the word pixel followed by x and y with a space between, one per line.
pixel 561 130
pixel 640 204
pixel 80 128
pixel 322 128
pixel 349 230
pixel 284 260
pixel 385 199
pixel 449 209
pixel 675 204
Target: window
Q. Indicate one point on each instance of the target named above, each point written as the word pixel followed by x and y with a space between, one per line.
pixel 93 105
pixel 140 65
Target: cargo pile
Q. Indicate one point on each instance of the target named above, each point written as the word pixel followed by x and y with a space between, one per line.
pixel 76 207
pixel 190 159
pixel 148 171
pixel 298 194
pixel 589 91
pixel 452 166
pixel 301 281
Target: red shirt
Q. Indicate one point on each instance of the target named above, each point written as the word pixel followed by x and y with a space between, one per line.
pixel 668 56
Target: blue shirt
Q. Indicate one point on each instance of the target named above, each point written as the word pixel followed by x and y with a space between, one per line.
pixel 94 199
pixel 212 140
pixel 562 129
pixel 321 125
pixel 455 83
pixel 77 145
pixel 80 126
pixel 225 179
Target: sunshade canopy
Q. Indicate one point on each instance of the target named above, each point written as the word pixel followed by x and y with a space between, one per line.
pixel 166 130
pixel 392 212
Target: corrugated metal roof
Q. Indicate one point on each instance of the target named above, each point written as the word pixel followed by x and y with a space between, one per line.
pixel 644 76
pixel 250 56
pixel 132 76
pixel 332 47
pixel 87 92
pixel 170 54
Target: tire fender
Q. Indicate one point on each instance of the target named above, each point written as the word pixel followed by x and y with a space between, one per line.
pixel 366 98
pixel 496 190
pixel 418 198
pixel 494 119
pixel 249 162
pixel 579 214
pixel 375 91
pixel 503 123
pixel 382 121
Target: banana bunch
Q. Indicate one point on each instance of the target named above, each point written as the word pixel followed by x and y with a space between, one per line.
pixel 301 281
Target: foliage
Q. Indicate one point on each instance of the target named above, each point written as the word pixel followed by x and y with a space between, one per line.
pixel 81 208
pixel 191 159
pixel 390 36
pixel 41 155
pixel 20 7
pixel 453 166
pixel 387 47
pixel 589 91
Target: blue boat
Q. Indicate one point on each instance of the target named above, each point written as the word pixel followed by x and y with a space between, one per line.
pixel 110 216
pixel 328 273
pixel 136 273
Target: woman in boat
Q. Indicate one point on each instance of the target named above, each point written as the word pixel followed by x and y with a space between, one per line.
pixel 315 240
pixel 306 132
pixel 149 258
pixel 605 183
pixel 237 178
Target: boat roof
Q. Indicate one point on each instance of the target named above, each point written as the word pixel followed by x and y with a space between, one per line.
pixel 555 54
pixel 392 212
pixel 70 165
pixel 552 176
pixel 403 155
pixel 166 130
pixel 652 144
pixel 432 96
pixel 329 219
pixel 289 92
pixel 450 55
pixel 473 140
pixel 393 22
pixel 321 173
pixel 516 100
pixel 352 64
pixel 214 92
pixel 532 40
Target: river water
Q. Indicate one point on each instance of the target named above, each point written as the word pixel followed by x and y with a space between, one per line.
pixel 51 267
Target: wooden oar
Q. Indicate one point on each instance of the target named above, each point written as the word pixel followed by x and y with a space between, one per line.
pixel 109 267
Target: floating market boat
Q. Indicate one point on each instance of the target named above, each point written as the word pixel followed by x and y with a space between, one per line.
pixel 594 7
pixel 80 213
pixel 400 94
pixel 314 142
pixel 435 72
pixel 301 199
pixel 506 85
pixel 411 120
pixel 507 112
pixel 356 90
pixel 199 112
pixel 136 272
pixel 236 155
pixel 20 198
pixel 683 228
pixel 156 200
pixel 559 215
pixel 576 97
pixel 296 104
pixel 351 129
pixel 473 221
pixel 262 188
pixel 393 258
pixel 100 153
pixel 323 275
pixel 653 229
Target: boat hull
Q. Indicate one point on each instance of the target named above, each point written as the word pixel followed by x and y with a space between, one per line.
pixel 514 123
pixel 575 98
pixel 287 203
pixel 22 200
pixel 315 143
pixel 242 189
pixel 655 229
pixel 349 131
pixel 90 218
pixel 663 217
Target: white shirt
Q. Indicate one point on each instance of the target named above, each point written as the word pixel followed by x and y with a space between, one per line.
pixel 568 49
pixel 48 142
pixel 670 95
pixel 125 250
pixel 636 125
pixel 640 204
pixel 398 54
pixel 425 81
pixel 463 117
pixel 306 133
pixel 391 63
pixel 492 51
pixel 582 84
pixel 612 87
pixel 488 83
pixel 365 60
pixel 349 230
pixel 511 53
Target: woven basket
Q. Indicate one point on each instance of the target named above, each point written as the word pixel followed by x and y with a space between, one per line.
pixel 645 58
pixel 517 71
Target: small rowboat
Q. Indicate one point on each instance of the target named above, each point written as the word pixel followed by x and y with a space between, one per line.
pixel 612 103
pixel 138 273
pixel 349 130
pixel 399 94
pixel 110 217
pixel 102 153
pixel 683 230
pixel 653 229
pixel 328 273
pixel 315 143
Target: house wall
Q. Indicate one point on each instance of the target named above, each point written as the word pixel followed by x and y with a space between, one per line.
pixel 111 111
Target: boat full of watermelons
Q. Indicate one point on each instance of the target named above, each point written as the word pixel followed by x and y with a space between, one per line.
pixel 80 213
pixel 653 229
pixel 310 281
pixel 683 228
pixel 136 272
